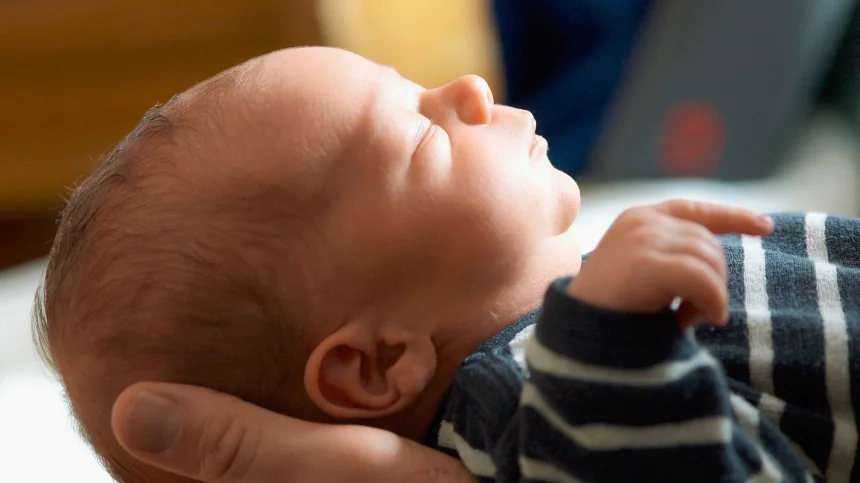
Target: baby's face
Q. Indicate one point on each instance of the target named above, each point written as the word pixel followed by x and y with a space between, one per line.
pixel 412 191
pixel 441 184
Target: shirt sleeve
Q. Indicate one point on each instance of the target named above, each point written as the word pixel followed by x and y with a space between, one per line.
pixel 621 397
pixel 607 396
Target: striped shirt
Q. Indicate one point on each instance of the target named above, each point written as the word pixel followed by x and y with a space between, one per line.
pixel 577 393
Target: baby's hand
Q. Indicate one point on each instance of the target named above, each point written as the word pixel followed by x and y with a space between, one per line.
pixel 653 254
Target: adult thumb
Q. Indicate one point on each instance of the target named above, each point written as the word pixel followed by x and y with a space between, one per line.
pixel 190 431
pixel 216 438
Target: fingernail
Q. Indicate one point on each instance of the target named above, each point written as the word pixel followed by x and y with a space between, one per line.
pixel 152 423
pixel 768 221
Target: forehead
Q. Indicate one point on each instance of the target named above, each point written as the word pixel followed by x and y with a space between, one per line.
pixel 345 98
pixel 334 92
pixel 306 117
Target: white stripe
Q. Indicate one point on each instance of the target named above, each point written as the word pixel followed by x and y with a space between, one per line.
pixel 816 242
pixel 836 356
pixel 540 471
pixel 749 418
pixel 445 438
pixel 476 461
pixel 518 346
pixel 746 414
pixel 769 472
pixel 543 360
pixel 608 437
pixel 772 407
pixel 758 314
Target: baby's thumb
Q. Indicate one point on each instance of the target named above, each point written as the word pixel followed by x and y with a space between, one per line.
pixel 191 431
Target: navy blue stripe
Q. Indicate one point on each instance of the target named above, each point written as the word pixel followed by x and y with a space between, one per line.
pixel 506 452
pixel 778 447
pixel 703 463
pixel 843 242
pixel 752 396
pixel 695 396
pixel 811 430
pixel 843 248
pixel 730 344
pixel 798 338
pixel 789 234
pixel 849 288
pixel 487 398
pixel 607 338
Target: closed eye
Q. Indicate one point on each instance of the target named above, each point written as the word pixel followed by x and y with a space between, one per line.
pixel 424 126
pixel 428 130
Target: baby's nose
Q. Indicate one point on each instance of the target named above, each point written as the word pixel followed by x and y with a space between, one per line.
pixel 468 96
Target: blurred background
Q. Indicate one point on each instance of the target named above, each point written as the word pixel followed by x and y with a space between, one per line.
pixel 755 103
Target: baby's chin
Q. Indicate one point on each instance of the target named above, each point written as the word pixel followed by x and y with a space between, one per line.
pixel 568 202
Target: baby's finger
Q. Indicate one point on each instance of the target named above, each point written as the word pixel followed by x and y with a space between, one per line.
pixel 688 315
pixel 697 283
pixel 697 241
pixel 719 219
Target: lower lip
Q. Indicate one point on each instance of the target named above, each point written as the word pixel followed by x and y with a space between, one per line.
pixel 539 146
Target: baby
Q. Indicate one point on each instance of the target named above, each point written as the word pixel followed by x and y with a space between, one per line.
pixel 319 236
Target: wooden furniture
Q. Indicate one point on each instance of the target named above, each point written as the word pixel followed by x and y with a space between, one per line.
pixel 78 75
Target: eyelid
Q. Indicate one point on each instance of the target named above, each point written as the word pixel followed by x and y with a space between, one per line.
pixel 425 131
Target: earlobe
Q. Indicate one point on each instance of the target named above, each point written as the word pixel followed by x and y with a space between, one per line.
pixel 357 374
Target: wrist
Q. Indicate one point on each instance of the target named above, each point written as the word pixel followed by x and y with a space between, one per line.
pixel 601 336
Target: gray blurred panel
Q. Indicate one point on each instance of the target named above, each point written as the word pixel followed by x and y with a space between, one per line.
pixel 718 87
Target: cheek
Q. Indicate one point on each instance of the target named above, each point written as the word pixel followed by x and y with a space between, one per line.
pixel 500 202
pixel 493 225
pixel 566 201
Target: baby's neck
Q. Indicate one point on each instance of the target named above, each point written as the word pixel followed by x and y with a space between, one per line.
pixel 467 325
pixel 451 350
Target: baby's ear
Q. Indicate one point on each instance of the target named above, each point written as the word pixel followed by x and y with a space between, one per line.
pixel 357 372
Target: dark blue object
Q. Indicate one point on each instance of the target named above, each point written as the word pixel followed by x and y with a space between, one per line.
pixel 563 60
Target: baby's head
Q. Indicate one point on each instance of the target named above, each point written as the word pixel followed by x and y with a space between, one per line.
pixel 310 232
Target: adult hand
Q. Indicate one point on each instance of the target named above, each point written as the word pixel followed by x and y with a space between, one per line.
pixel 216 438
pixel 653 254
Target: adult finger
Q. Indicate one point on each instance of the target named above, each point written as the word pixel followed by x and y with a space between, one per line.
pixel 718 218
pixel 216 438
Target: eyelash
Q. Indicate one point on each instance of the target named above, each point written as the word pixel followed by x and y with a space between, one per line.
pixel 426 134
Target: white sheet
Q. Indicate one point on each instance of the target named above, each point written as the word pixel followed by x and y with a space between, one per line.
pixel 37 442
